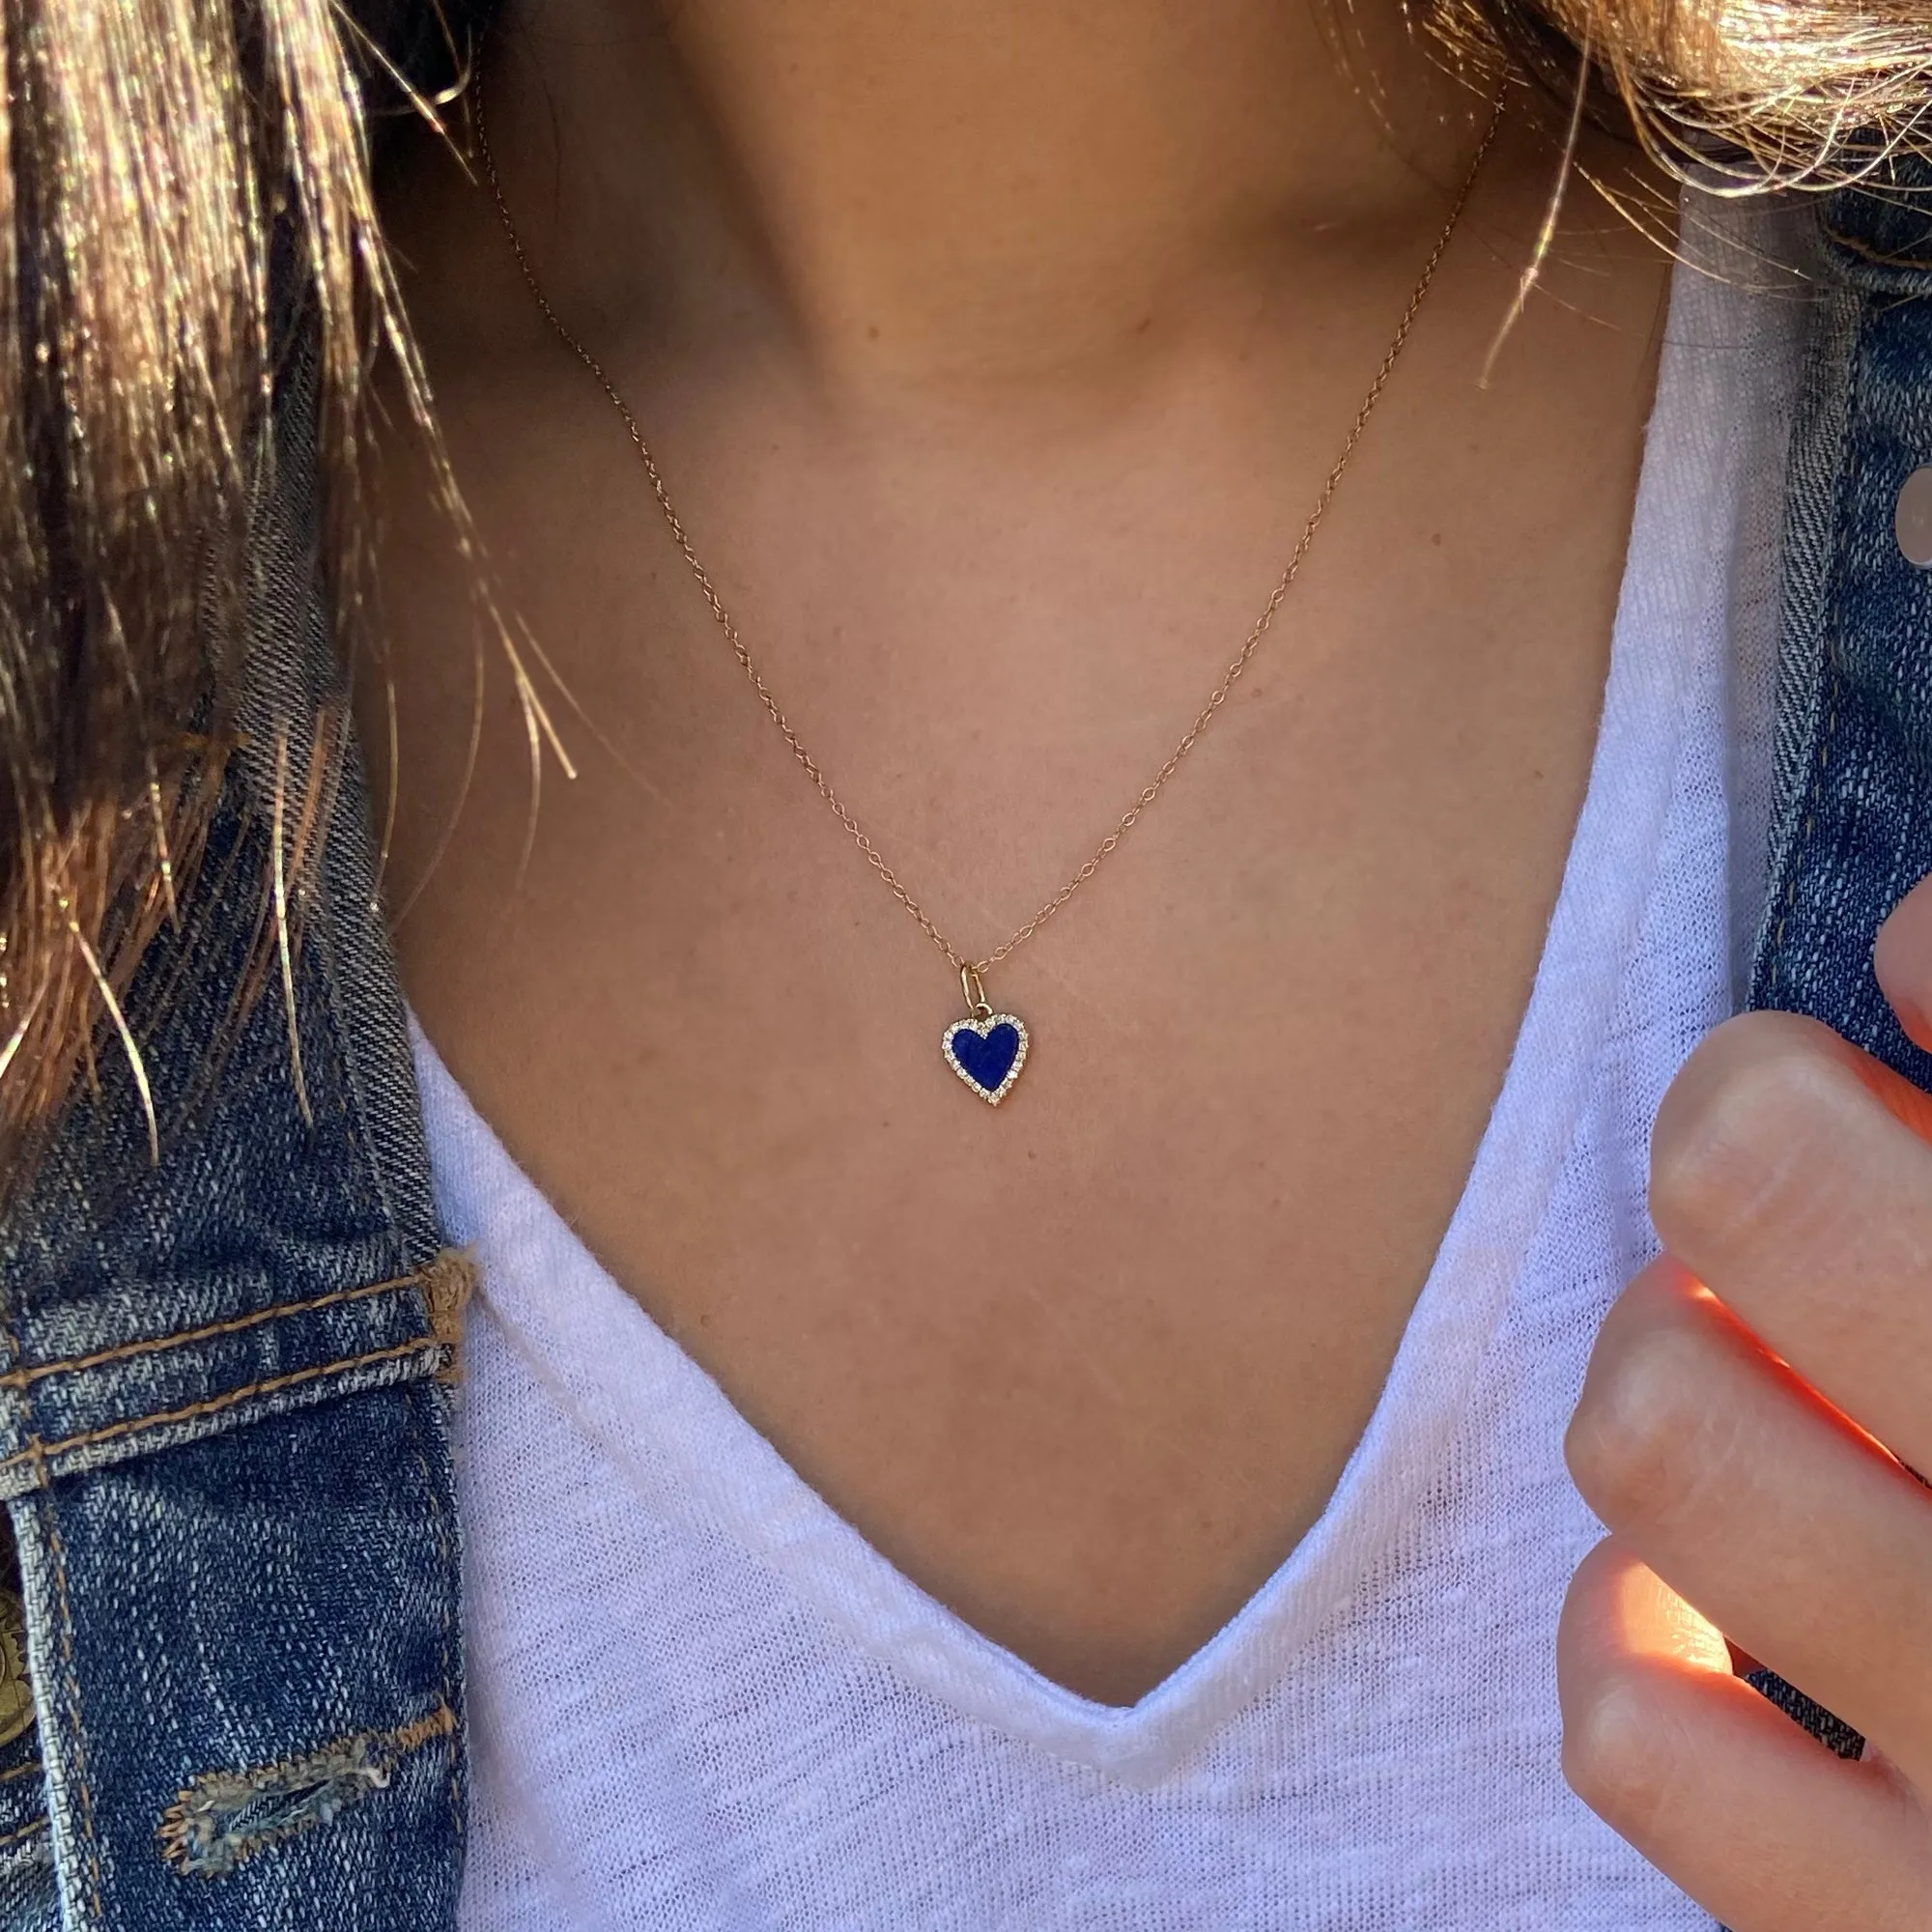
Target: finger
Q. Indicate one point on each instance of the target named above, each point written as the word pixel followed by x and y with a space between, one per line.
pixel 1760 1504
pixel 1782 1176
pixel 1902 959
pixel 1757 1822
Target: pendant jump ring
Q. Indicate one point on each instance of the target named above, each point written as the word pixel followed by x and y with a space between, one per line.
pixel 971 984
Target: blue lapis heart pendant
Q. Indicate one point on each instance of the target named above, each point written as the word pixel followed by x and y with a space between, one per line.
pixel 988 1052
pixel 986 1049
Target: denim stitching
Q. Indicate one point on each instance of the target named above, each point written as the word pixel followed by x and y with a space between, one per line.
pixel 34 1828
pixel 20 1378
pixel 20 1770
pixel 1821 762
pixel 198 1831
pixel 329 860
pixel 38 1451
pixel 1863 250
pixel 1829 672
pixel 1812 546
pixel 71 1685
pixel 70 1679
pixel 445 1553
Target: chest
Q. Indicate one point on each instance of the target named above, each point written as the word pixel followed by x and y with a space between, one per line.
pixel 1085 1367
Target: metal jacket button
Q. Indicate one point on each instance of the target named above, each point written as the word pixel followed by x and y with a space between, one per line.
pixel 17 1690
pixel 1913 519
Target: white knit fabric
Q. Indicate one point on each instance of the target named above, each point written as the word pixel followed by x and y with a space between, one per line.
pixel 701 1700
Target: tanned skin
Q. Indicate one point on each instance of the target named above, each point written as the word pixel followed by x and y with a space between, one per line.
pixel 994 358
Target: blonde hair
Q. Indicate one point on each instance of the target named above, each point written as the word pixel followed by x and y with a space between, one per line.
pixel 185 191
pixel 1759 94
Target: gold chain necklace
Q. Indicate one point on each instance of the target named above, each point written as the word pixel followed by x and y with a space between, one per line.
pixel 987 1049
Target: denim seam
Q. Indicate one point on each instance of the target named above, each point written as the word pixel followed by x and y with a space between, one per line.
pixel 1821 759
pixel 71 1685
pixel 339 894
pixel 328 891
pixel 1830 681
pixel 37 1452
pixel 21 1377
pixel 1857 247
pixel 446 1655
pixel 337 882
pixel 1833 683
pixel 1812 546
pixel 64 1613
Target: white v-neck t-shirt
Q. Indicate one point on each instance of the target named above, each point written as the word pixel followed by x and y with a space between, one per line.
pixel 701 1699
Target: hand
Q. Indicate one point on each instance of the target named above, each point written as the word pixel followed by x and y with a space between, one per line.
pixel 1753 1409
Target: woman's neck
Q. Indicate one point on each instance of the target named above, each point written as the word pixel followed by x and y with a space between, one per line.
pixel 927 196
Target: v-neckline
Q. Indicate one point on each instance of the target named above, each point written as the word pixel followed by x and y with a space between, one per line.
pixel 733 1474
pixel 705 1461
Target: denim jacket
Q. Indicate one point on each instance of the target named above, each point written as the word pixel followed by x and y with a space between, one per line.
pixel 225 1398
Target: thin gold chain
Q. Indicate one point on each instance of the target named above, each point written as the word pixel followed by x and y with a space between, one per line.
pixel 1216 699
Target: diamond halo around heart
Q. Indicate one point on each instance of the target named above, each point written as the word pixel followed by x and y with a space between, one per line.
pixel 988 1052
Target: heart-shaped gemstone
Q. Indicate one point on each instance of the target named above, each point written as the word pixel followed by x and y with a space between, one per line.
pixel 987 1054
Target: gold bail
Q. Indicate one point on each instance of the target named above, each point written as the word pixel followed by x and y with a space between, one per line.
pixel 974 987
